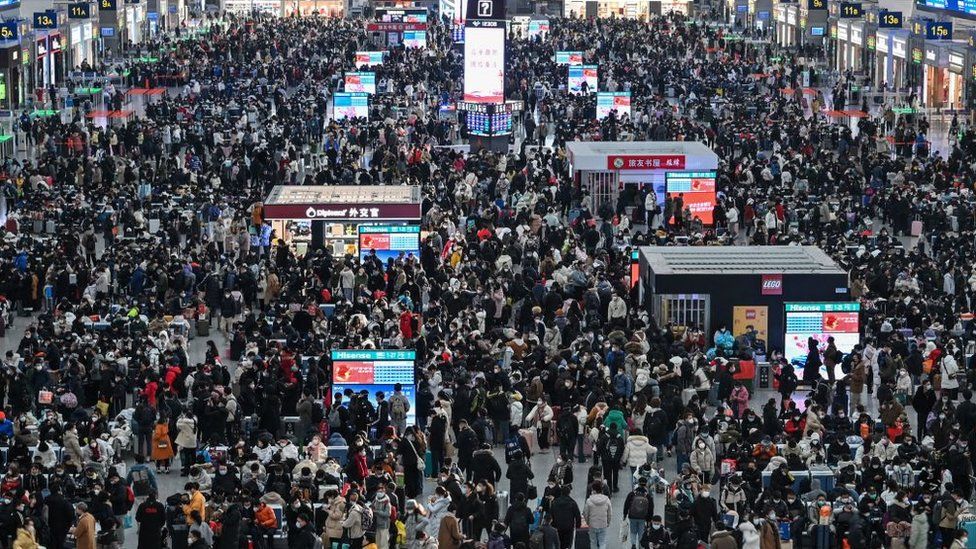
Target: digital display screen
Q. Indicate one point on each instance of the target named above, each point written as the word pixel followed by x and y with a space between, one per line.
pixel 484 63
pixel 368 58
pixel 820 321
pixel 697 190
pixel 7 4
pixel 401 16
pixel 634 268
pixel 413 39
pixel 816 31
pixel 364 82
pixel 457 33
pixel 579 74
pixel 350 105
pixel 961 6
pixel 484 124
pixel 613 101
pixel 569 58
pixel 374 371
pixel 108 31
pixel 389 241
pixel 538 27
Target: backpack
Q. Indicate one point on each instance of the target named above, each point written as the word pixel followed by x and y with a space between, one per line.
pixel 639 506
pixel 537 540
pixel 368 522
pixel 398 406
pixel 513 448
pixel 335 419
pixel 318 414
pixel 497 542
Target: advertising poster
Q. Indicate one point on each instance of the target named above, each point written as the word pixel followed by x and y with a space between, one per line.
pixel 375 370
pixel 368 59
pixel 484 62
pixel 613 101
pixel 820 321
pixel 363 82
pixel 350 105
pixel 634 268
pixel 389 241
pixel 756 316
pixel 569 58
pixel 697 189
pixel 538 27
pixel 413 39
pixel 579 74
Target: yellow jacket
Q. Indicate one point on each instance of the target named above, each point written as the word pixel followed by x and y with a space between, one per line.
pixel 25 540
pixel 197 503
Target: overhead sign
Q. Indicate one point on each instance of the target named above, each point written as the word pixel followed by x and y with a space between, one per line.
pixel 45 20
pixel 815 5
pixel 938 30
pixel 394 27
pixel 108 5
pixel 364 82
pixel 890 20
pixel 344 212
pixel 9 31
pixel 486 9
pixel 607 102
pixel 851 10
pixel 484 61
pixel 646 162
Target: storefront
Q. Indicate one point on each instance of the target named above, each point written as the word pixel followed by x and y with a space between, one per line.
pixel 14 81
pixel 610 170
pixel 134 16
pixel 891 67
pixel 786 18
pixel 81 46
pixel 310 217
pixel 628 9
pixel 49 53
pixel 942 75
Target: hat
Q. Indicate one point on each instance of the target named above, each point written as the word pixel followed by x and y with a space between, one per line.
pixel 515 396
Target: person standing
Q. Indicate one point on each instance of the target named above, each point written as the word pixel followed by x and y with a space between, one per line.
pixel 84 531
pixel 60 514
pixel 566 516
pixel 162 446
pixel 186 440
pixel 151 516
pixel 611 449
pixel 597 513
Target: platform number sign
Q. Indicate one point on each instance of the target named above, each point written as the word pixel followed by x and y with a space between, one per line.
pixel 816 4
pixel 45 20
pixel 9 31
pixel 108 5
pixel 938 30
pixel 80 10
pixel 890 20
pixel 851 10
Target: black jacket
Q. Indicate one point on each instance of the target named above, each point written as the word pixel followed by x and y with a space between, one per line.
pixel 151 516
pixel 565 513
pixel 484 466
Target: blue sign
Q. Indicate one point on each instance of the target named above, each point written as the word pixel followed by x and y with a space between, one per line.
pixel 890 20
pixel 9 31
pixel 45 20
pixel 108 32
pixel 938 30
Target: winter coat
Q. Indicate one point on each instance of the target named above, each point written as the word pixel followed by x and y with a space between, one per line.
pixel 858 377
pixel 541 414
pixel 750 536
pixel 769 536
pixel 949 369
pixel 354 521
pixel 436 512
pixel 333 521
pixel 919 538
pixel 597 511
pixel 162 446
pixel 637 451
pixel 449 534
pixel 723 540
pixel 186 436
pixel 703 460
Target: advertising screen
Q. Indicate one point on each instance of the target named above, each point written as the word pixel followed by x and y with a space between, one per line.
pixel 364 82
pixel 612 101
pixel 569 58
pixel 415 39
pixel 389 241
pixel 961 6
pixel 579 74
pixel 538 27
pixel 820 321
pixel 484 62
pixel 368 59
pixel 634 268
pixel 374 371
pixel 350 105
pixel 697 189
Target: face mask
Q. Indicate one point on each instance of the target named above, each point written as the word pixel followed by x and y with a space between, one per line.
pixel 791 500
pixel 701 445
pixel 772 516
pixel 223 471
pixel 300 524
pixel 706 493
pixel 655 526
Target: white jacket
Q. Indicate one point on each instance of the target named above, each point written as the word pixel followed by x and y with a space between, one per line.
pixel 515 411
pixel 542 416
pixel 949 369
pixel 617 308
pixel 637 451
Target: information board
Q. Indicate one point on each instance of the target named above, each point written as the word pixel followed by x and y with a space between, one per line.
pixel 350 105
pixel 696 189
pixel 484 61
pixel 961 6
pixel 363 82
pixel 368 58
pixel 579 74
pixel 613 101
pixel 376 370
pixel 389 241
pixel 538 27
pixel 414 39
pixel 820 321
pixel 569 58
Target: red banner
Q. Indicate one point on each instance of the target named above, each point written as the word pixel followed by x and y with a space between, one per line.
pixel 385 26
pixel 646 162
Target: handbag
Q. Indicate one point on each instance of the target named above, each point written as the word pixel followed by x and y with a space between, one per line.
pixel 421 464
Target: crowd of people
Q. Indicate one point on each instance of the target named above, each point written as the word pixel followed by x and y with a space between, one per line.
pixel 123 244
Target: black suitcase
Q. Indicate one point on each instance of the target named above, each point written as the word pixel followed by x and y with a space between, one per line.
pixel 582 538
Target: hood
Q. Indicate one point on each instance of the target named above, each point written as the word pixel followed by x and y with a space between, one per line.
pixel 638 439
pixel 598 499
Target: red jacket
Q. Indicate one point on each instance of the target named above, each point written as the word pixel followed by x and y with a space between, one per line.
pixel 406 327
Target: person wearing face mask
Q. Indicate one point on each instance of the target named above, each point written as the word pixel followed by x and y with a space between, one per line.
pixel 704 512
pixel 304 537
pixel 923 401
pixel 225 480
pixel 919 536
pixel 684 437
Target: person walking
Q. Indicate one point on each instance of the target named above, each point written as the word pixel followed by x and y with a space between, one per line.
pixel 597 514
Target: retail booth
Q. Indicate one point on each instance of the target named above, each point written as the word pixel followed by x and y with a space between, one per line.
pixel 787 294
pixel 317 216
pixel 606 169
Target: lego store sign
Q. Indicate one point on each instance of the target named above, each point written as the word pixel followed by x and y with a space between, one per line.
pixel 646 162
pixel 772 284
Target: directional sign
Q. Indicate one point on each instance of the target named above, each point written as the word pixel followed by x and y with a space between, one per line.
pixel 80 10
pixel 890 20
pixel 108 5
pixel 9 31
pixel 938 30
pixel 45 20
pixel 851 10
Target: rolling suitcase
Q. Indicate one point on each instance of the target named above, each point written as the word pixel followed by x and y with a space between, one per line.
pixel 428 464
pixel 583 538
pixel 203 327
pixel 917 227
pixel 502 503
